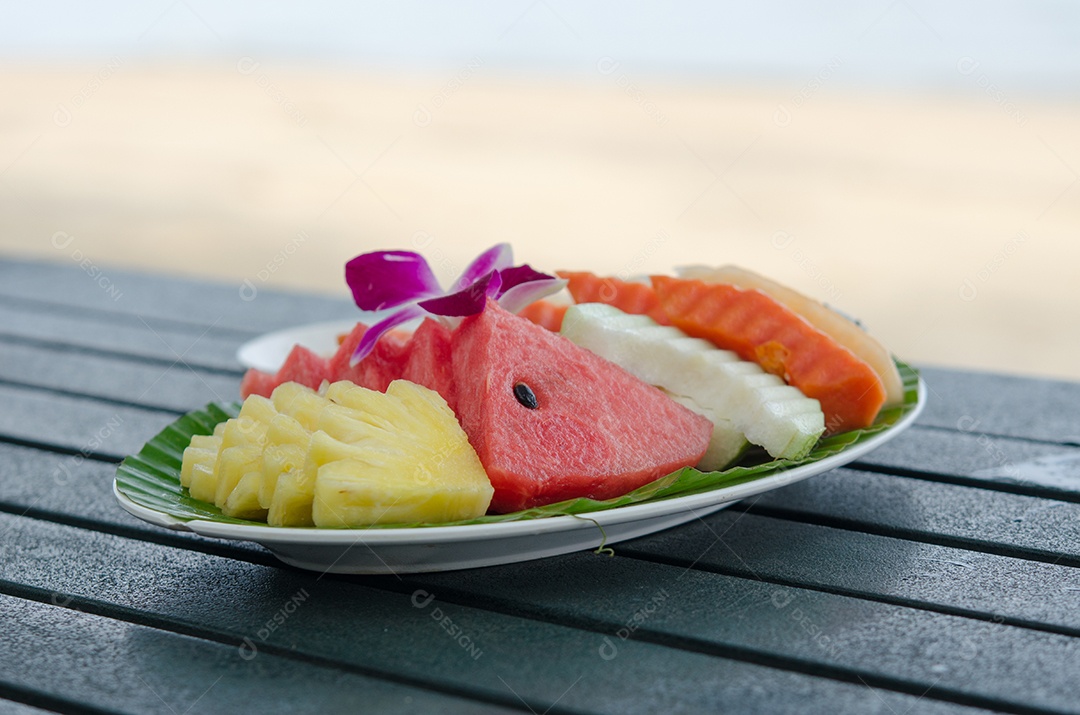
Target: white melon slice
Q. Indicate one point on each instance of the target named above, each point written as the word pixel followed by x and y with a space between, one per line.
pixel 768 412
pixel 727 444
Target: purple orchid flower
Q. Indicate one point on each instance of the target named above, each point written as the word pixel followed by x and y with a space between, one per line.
pixel 403 280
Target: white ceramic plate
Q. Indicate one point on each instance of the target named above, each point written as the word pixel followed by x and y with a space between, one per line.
pixel 446 548
pixel 267 352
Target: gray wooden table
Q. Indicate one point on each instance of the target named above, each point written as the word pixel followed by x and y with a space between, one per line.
pixel 937 575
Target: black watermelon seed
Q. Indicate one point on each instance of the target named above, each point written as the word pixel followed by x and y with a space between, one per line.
pixel 525 396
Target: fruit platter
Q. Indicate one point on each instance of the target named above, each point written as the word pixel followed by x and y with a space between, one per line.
pixel 520 415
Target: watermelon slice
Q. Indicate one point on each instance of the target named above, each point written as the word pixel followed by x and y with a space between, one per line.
pixel 257 382
pixel 553 421
pixel 429 362
pixel 383 364
pixel 302 366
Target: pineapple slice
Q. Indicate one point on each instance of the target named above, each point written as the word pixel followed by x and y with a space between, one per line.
pixel 284 429
pixel 409 461
pixel 278 460
pixel 243 432
pixel 242 439
pixel 243 500
pixel 203 483
pixel 202 450
pixel 232 464
pixel 258 408
pixel 299 402
pixel 206 441
pixel 291 503
pixel 345 456
pixel 287 443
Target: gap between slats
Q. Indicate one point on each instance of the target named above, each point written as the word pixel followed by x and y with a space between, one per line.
pixel 44 701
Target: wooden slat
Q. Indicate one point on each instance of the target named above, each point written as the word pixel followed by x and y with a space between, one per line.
pixel 67 659
pixel 951 656
pixel 58 328
pixel 910 506
pixel 77 424
pixel 975 518
pixel 175 386
pixel 1003 405
pixel 968 402
pixel 170 300
pixel 344 622
pixel 902 585
pixel 71 490
pixel 751 546
pixel 928 576
pixel 1007 463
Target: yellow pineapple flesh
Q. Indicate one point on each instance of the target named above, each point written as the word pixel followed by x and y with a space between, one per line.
pixel 203 483
pixel 243 432
pixel 258 408
pixel 278 459
pixel 342 457
pixel 301 403
pixel 202 450
pixel 291 503
pixel 232 464
pixel 417 467
pixel 243 500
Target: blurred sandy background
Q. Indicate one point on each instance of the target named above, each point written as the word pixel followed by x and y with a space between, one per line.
pixel 937 200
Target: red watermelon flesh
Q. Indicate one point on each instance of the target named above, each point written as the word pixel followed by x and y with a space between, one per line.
pixel 339 362
pixel 305 367
pixel 429 361
pixel 257 382
pixel 597 430
pixel 384 364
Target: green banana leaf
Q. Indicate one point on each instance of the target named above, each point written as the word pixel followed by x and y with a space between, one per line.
pixel 151 478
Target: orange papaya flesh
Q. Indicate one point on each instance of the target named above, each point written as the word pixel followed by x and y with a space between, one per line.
pixel 758 328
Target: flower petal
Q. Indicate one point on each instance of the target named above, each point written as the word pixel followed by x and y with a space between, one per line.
pixel 517 275
pixel 496 258
pixel 385 279
pixel 468 301
pixel 522 294
pixel 367 342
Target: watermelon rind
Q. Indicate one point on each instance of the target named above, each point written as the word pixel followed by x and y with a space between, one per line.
pixel 151 478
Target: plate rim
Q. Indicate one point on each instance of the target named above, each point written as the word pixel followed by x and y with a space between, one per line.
pixel 313 536
pixel 244 353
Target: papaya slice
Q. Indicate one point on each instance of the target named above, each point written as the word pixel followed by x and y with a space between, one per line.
pixel 843 330
pixel 757 327
pixel 544 313
pixel 629 297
